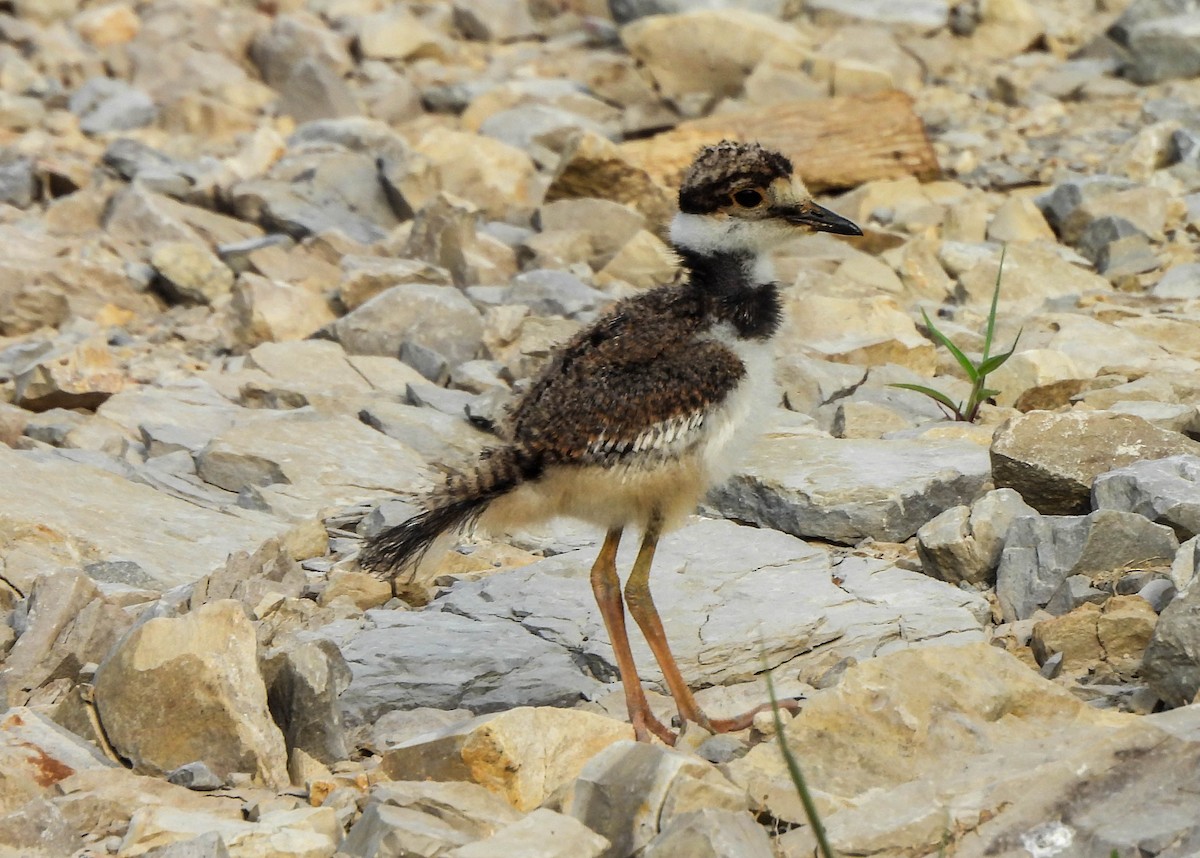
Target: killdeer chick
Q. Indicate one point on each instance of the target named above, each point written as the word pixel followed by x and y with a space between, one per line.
pixel 638 414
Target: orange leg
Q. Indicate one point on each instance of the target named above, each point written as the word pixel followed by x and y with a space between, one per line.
pixel 641 606
pixel 607 588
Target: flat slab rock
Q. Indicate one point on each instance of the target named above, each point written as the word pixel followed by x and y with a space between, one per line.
pixel 729 595
pixel 844 490
pixel 57 510
pixel 406 660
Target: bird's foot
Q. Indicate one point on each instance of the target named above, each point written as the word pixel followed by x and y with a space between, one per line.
pixel 741 722
pixel 645 725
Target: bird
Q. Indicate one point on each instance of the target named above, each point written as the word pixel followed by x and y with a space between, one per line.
pixel 638 414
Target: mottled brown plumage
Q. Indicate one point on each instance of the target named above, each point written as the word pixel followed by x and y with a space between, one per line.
pixel 639 413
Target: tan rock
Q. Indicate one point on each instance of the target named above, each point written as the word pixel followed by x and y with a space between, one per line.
pixel 644 261
pixel 1033 273
pixel 917 265
pixel 705 53
pixel 110 24
pixel 1019 219
pixel 68 623
pixel 188 688
pixel 308 832
pixel 592 166
pixel 397 34
pixel 367 276
pixel 191 273
pixel 1124 629
pixel 81 376
pixel 524 754
pixel 1006 27
pixel 1074 635
pixel 1052 459
pixel 102 800
pixel 36 754
pixel 857 419
pixel 865 332
pixel 496 177
pixel 366 591
pixel 876 748
pixel 270 311
pixel 542 834
pixel 1030 368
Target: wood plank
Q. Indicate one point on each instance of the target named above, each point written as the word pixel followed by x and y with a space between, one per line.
pixel 835 143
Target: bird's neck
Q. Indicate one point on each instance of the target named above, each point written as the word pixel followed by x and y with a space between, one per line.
pixel 721 271
pixel 735 288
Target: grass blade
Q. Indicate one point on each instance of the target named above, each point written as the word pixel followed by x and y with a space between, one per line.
pixel 810 807
pixel 963 361
pixel 935 395
pixel 996 361
pixel 991 324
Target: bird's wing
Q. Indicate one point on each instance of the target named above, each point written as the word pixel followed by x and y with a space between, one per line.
pixel 604 407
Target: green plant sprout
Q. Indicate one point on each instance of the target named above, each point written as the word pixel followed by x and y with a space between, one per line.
pixel 797 777
pixel 967 411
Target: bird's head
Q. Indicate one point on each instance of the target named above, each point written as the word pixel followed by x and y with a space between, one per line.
pixel 742 198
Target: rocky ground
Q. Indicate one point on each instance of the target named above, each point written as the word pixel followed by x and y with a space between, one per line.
pixel 267 263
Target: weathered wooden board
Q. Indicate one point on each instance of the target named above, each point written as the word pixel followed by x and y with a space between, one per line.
pixel 834 143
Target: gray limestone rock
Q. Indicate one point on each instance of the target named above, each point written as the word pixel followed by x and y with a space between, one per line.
pixel 1180 281
pixel 845 490
pixel 1117 247
pixel 1171 665
pixel 196 776
pixel 38 829
pixel 711 833
pixel 210 845
pixel 67 624
pixel 171 540
pixel 402 660
pixel 923 15
pixel 1064 206
pixel 1166 491
pixel 711 583
pixel 437 317
pixel 313 91
pixel 312 191
pixel 1052 459
pixel 631 791
pixel 554 293
pixel 107 104
pixel 494 20
pixel 304 679
pixel 1041 552
pixel 387 830
pixel 1163 40
pixel 964 543
pixel 18 184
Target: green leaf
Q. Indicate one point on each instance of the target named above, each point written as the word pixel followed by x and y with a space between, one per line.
pixel 996 361
pixel 935 395
pixel 963 361
pixel 991 325
pixel 794 772
pixel 985 394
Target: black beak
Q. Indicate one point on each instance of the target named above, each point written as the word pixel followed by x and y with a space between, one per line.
pixel 821 219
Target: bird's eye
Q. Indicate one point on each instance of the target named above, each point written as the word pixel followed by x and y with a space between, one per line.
pixel 748 199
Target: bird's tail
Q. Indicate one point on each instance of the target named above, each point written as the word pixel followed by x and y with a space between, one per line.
pixel 459 504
